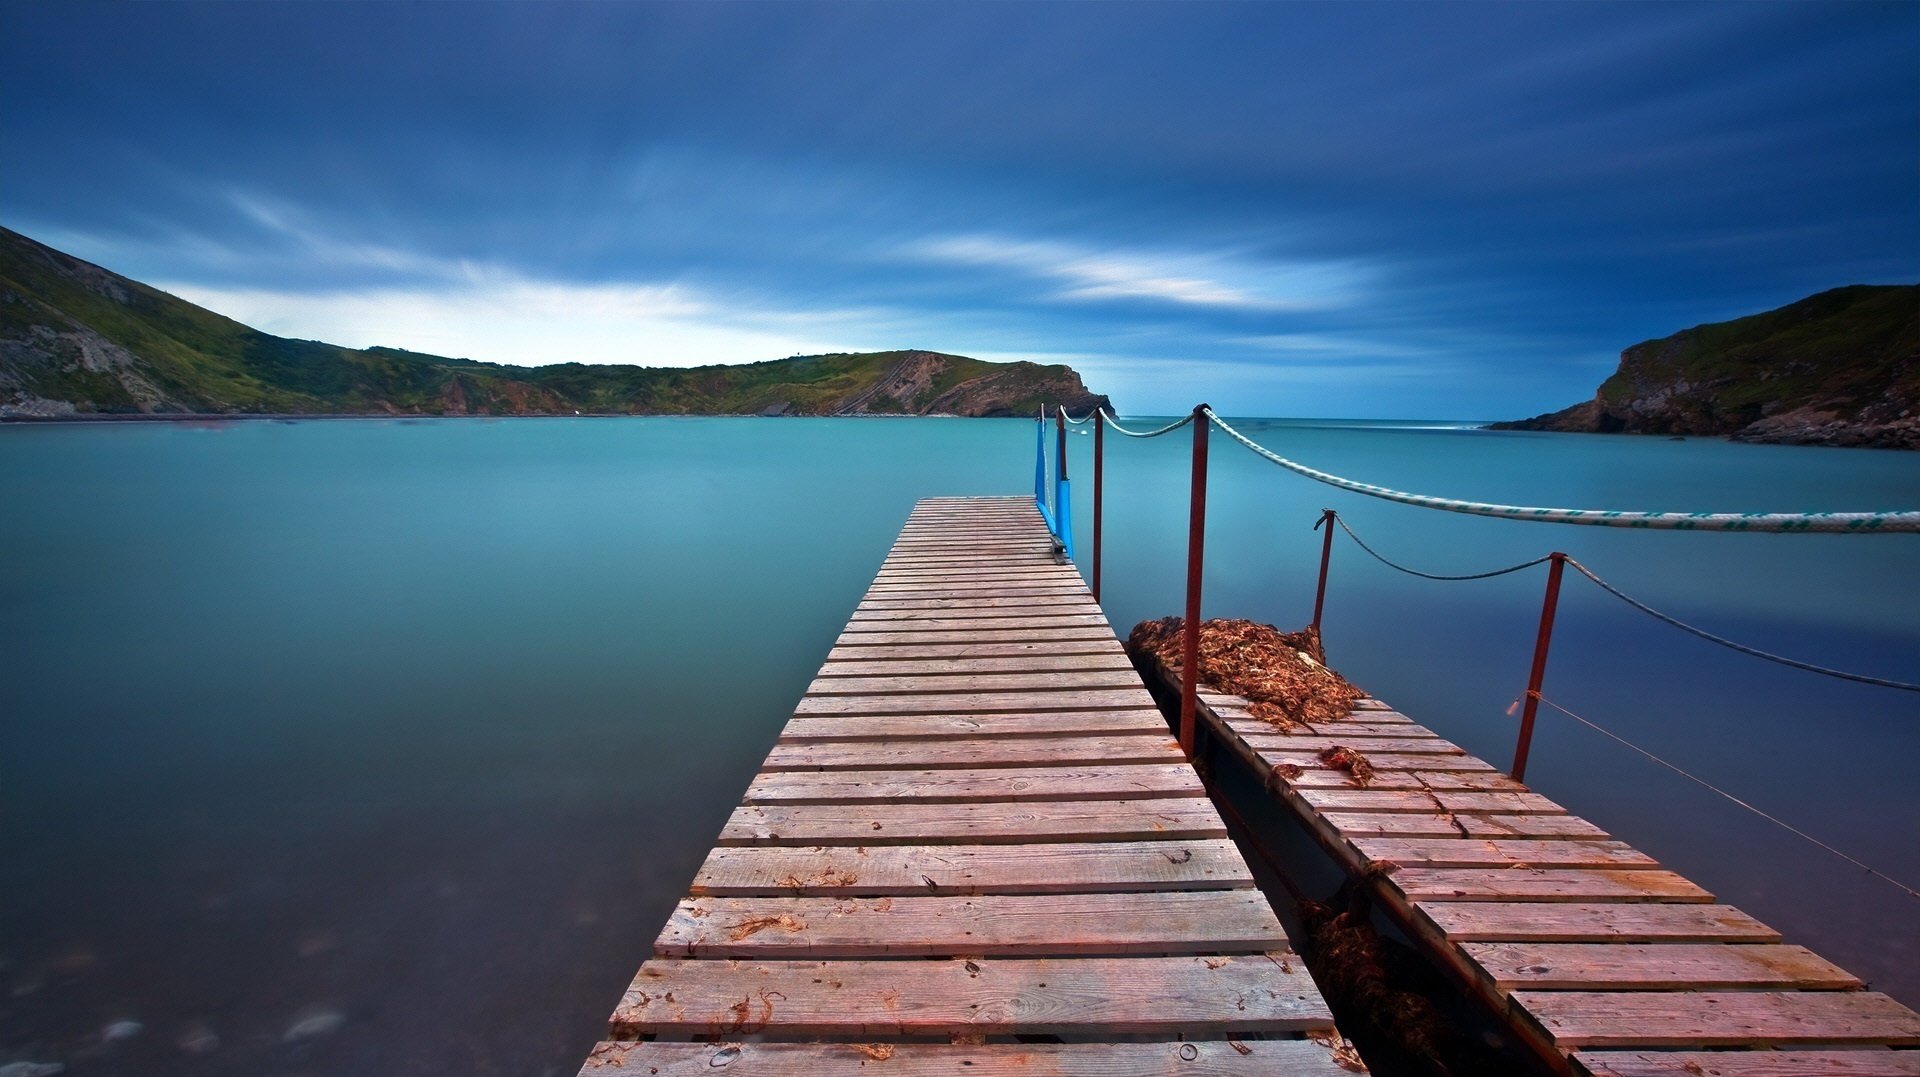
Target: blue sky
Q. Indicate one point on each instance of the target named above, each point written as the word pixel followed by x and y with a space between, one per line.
pixel 1369 210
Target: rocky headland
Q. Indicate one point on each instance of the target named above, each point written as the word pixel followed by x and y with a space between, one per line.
pixel 1838 368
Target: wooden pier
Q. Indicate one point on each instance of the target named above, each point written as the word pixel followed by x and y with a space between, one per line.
pixel 1606 963
pixel 974 845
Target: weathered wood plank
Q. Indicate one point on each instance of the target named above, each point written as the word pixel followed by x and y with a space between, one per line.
pixel 975 752
pixel 1104 661
pixel 977 637
pixel 1386 761
pixel 1138 781
pixel 1543 884
pixel 1191 996
pixel 956 621
pixel 993 925
pixel 1411 824
pixel 1018 822
pixel 861 727
pixel 1215 1058
pixel 1464 852
pixel 1719 1018
pixel 1802 1063
pixel 912 605
pixel 1044 682
pixel 1533 921
pixel 944 702
pixel 1666 966
pixel 1303 742
pixel 882 870
pixel 1468 781
pixel 1101 645
pixel 1394 800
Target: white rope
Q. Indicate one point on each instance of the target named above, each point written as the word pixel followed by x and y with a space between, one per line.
pixel 1168 429
pixel 1831 522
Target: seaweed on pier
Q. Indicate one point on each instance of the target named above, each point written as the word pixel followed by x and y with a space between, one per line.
pixel 1283 675
pixel 1341 757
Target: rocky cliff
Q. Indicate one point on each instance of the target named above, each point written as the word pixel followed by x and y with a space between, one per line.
pixel 79 340
pixel 1838 368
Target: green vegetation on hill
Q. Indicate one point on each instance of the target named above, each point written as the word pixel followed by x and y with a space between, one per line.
pixel 78 339
pixel 1841 368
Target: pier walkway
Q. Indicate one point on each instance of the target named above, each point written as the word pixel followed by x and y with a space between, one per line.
pixel 1607 963
pixel 974 845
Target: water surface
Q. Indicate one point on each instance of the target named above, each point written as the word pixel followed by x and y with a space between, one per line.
pixel 354 747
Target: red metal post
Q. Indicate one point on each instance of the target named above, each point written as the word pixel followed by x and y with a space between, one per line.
pixel 1196 546
pixel 1326 554
pixel 1532 704
pixel 1099 465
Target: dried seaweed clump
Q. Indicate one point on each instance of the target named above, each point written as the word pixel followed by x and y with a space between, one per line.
pixel 1283 674
pixel 1341 757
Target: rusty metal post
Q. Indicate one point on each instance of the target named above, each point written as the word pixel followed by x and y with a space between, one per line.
pixel 1196 548
pixel 1327 517
pixel 1532 704
pixel 1099 465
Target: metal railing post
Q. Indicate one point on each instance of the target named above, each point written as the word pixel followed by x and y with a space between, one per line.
pixel 1062 489
pixel 1327 517
pixel 1532 704
pixel 1196 547
pixel 1099 466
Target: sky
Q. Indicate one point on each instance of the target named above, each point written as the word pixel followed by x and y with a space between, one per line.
pixel 1448 210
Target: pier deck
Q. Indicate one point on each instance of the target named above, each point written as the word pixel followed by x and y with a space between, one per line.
pixel 974 845
pixel 1609 964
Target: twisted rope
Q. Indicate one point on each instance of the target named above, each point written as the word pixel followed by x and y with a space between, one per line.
pixel 1837 522
pixel 1774 819
pixel 1081 421
pixel 1741 647
pixel 1168 429
pixel 1429 575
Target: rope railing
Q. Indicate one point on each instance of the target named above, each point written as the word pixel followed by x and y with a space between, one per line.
pixel 1117 428
pixel 1768 816
pixel 1822 522
pixel 1616 592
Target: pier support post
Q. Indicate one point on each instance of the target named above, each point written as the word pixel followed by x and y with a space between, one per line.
pixel 1196 547
pixel 1099 467
pixel 1531 704
pixel 1326 554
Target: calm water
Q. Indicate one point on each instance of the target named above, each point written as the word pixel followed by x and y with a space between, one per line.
pixel 386 747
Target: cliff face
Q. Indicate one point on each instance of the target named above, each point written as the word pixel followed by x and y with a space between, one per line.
pixel 76 339
pixel 1838 368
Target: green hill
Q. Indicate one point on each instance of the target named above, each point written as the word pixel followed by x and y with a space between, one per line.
pixel 1838 368
pixel 78 340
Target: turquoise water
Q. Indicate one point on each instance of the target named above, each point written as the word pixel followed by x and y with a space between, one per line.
pixel 355 747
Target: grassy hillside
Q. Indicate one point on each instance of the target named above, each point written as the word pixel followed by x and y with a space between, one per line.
pixel 79 339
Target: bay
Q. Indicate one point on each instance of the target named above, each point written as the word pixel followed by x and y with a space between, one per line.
pixel 344 747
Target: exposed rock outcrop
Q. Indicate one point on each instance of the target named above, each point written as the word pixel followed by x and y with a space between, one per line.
pixel 1838 368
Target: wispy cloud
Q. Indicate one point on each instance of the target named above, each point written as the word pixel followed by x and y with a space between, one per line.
pixel 1180 277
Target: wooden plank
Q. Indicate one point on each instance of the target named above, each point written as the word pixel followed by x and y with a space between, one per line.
pixel 1481 781
pixel 1393 800
pixel 1139 781
pixel 1543 884
pixel 1027 682
pixel 1719 1018
pixel 1049 724
pixel 993 925
pixel 1303 742
pixel 1668 966
pixel 1085 867
pixel 1803 1063
pixel 945 702
pixel 1190 996
pixel 955 621
pixel 1206 1058
pixel 1386 761
pixel 1463 852
pixel 1409 824
pixel 1109 661
pixel 1019 822
pixel 975 752
pixel 875 607
pixel 1488 921
pixel 1069 644
pixel 976 637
